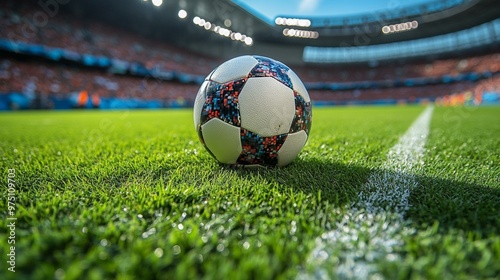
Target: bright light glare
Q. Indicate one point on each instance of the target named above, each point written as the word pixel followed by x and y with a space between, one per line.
pixel 225 32
pixel 157 3
pixel 248 41
pixel 309 34
pixel 302 22
pixel 400 27
pixel 182 14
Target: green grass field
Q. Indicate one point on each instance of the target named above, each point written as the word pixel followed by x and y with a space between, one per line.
pixel 134 195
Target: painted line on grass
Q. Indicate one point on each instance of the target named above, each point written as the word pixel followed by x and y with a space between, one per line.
pixel 373 230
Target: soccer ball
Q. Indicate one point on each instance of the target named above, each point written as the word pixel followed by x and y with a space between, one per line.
pixel 253 110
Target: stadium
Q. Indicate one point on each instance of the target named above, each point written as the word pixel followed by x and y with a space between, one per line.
pixel 106 177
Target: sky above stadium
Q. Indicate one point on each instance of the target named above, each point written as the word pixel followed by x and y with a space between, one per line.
pixel 269 9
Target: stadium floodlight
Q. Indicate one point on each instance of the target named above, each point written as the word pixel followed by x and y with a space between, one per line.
pixel 248 41
pixel 182 13
pixel 301 22
pixel 307 34
pixel 224 32
pixel 157 3
pixel 400 27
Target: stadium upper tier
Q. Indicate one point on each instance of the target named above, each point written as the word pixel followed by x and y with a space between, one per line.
pixel 486 34
pixel 443 27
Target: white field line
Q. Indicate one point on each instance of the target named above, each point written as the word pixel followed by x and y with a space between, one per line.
pixel 374 228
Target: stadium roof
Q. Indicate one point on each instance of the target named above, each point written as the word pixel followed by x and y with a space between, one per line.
pixel 335 9
pixel 247 17
pixel 215 22
pixel 419 20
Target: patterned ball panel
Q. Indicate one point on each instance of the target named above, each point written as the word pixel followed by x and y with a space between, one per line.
pixel 271 68
pixel 260 150
pixel 303 115
pixel 222 102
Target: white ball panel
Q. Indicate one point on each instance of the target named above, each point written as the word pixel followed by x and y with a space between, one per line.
pixel 223 140
pixel 298 86
pixel 233 69
pixel 208 78
pixel 291 148
pixel 198 103
pixel 267 107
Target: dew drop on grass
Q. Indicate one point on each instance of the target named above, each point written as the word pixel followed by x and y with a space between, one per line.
pixel 220 247
pixel 204 238
pixel 391 257
pixel 158 252
pixel 220 229
pixel 293 229
pixel 183 216
pixel 59 274
pixel 322 255
pixel 176 249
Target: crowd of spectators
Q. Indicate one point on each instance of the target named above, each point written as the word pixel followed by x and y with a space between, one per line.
pixel 408 94
pixel 18 74
pixel 400 71
pixel 61 80
pixel 20 22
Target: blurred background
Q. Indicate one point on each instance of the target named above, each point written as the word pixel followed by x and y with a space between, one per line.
pixel 117 54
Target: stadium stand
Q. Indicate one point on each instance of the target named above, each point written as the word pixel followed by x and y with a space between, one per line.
pixel 416 69
pixel 49 65
pixel 96 38
pixel 61 82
